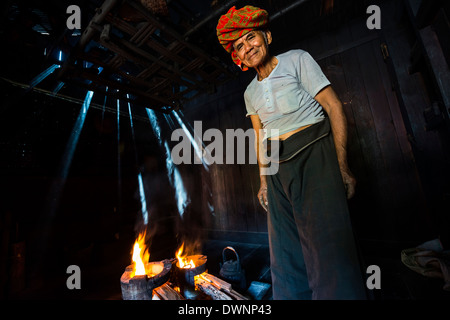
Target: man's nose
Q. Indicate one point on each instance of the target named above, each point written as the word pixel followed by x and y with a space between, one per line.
pixel 247 47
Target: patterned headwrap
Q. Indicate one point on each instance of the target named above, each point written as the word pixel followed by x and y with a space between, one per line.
pixel 236 23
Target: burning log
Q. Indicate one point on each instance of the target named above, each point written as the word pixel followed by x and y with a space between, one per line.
pixel 188 272
pixel 188 267
pixel 166 292
pixel 140 287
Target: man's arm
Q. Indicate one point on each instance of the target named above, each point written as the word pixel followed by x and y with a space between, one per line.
pixel 262 193
pixel 333 107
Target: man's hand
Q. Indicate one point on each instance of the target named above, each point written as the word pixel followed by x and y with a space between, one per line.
pixel 349 182
pixel 262 197
pixel 262 193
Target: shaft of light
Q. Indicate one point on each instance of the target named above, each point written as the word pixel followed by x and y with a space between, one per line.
pixel 172 172
pixel 155 126
pixel 58 87
pixel 196 142
pixel 141 183
pixel 44 74
pixel 63 170
pixel 75 135
pixel 143 200
pixel 177 182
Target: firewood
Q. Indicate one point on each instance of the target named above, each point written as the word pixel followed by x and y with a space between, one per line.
pixel 222 285
pixel 165 292
pixel 211 290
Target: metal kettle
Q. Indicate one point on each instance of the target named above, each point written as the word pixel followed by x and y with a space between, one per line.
pixel 231 270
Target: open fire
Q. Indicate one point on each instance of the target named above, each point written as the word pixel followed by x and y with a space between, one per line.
pixel 140 256
pixel 142 277
pixel 184 277
pixel 183 259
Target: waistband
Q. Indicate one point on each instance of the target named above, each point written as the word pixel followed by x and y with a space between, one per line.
pixel 284 150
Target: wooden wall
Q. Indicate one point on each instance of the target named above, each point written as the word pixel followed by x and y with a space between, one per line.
pixel 390 203
pixel 233 186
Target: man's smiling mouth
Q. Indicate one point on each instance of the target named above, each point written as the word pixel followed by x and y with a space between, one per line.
pixel 253 54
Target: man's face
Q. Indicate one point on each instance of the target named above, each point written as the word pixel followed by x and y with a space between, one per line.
pixel 253 49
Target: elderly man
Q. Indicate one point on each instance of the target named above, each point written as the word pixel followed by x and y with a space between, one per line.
pixel 312 249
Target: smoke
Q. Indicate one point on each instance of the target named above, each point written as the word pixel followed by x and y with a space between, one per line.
pixel 190 221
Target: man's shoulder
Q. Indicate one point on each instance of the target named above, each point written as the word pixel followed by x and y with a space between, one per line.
pixel 251 86
pixel 293 54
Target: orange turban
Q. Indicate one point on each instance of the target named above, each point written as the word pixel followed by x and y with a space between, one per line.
pixel 236 23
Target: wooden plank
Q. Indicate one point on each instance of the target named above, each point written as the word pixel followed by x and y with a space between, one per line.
pixel 369 144
pixel 166 292
pixel 211 290
pixel 401 205
pixel 391 158
pixel 223 285
pixel 426 145
pixel 131 30
pixel 235 206
pixel 355 152
pixel 409 170
pixel 398 121
pixel 235 220
pixel 381 113
pixel 220 221
pixel 335 72
pixel 172 33
pixel 438 64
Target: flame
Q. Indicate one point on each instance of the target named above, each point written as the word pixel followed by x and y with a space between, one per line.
pixel 199 277
pixel 182 259
pixel 140 256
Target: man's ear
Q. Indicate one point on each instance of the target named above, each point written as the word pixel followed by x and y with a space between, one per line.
pixel 269 36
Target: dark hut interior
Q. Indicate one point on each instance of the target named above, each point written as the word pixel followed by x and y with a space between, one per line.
pixel 88 115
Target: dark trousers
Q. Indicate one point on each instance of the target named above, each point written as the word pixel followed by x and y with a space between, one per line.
pixel 312 247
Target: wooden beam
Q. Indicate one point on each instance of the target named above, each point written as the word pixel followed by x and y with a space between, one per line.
pixel 113 84
pixel 178 37
pixel 438 65
pixel 149 57
pixel 131 30
pixel 89 32
pixel 139 60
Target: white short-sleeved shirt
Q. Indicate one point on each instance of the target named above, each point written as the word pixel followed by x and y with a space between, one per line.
pixel 285 99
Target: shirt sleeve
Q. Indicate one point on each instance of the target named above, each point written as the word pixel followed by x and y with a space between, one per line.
pixel 311 75
pixel 248 105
